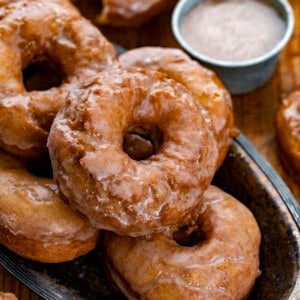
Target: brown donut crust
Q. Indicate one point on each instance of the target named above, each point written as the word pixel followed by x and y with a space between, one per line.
pixel 34 30
pixel 100 180
pixel 35 222
pixel 119 13
pixel 287 124
pixel 7 296
pixel 223 265
pixel 202 82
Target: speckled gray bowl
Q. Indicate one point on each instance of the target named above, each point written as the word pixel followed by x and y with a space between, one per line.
pixel 245 76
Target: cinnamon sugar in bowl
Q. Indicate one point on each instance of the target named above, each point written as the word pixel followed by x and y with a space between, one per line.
pixel 239 39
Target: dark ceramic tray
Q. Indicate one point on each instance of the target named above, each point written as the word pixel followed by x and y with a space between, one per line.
pixel 245 175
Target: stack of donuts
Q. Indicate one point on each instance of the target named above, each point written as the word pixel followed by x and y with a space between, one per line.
pixel 35 221
pixel 134 142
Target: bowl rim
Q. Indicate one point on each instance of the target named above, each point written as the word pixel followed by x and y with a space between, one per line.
pixel 177 16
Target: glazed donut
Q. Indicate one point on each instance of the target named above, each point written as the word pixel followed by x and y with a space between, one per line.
pixel 214 254
pixel 117 192
pixel 42 32
pixel 203 83
pixel 7 296
pixel 120 13
pixel 35 222
pixel 287 127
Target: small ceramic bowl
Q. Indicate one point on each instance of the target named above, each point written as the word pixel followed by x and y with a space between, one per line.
pixel 242 76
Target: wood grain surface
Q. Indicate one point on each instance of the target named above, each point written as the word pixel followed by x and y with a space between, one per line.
pixel 254 112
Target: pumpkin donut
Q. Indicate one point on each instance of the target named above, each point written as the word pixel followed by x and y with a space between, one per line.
pixel 51 33
pixel 102 181
pixel 203 83
pixel 213 254
pixel 287 125
pixel 7 296
pixel 120 13
pixel 34 221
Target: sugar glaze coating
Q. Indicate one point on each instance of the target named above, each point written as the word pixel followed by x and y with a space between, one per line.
pixel 119 13
pixel 202 82
pixel 34 221
pixel 36 31
pixel 221 263
pixel 99 179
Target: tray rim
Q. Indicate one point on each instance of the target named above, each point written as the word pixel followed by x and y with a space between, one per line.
pixel 274 178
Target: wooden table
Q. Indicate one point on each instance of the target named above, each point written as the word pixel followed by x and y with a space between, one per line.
pixel 254 112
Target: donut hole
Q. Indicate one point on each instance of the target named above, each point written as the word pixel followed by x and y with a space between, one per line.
pixel 190 235
pixel 42 74
pixel 141 142
pixel 42 169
